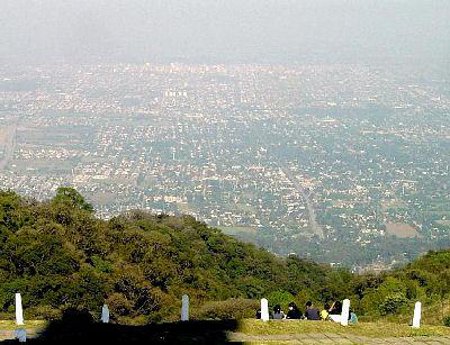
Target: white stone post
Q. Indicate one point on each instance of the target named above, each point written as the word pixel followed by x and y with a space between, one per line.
pixel 417 315
pixel 19 310
pixel 264 309
pixel 345 312
pixel 105 314
pixel 185 308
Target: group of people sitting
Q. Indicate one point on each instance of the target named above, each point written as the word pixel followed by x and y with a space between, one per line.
pixel 328 312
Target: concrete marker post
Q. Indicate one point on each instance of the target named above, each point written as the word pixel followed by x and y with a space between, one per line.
pixel 417 315
pixel 185 308
pixel 345 312
pixel 264 309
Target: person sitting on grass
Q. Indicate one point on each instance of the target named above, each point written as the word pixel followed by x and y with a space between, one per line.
pixel 336 308
pixel 311 313
pixel 278 313
pixel 324 314
pixel 335 311
pixel 294 312
pixel 353 320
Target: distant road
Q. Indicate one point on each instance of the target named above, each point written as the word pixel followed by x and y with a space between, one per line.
pixel 10 145
pixel 315 227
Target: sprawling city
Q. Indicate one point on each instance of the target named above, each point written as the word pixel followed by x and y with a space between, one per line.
pixel 344 164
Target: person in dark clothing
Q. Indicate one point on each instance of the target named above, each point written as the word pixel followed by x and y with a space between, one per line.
pixel 294 312
pixel 311 313
pixel 336 308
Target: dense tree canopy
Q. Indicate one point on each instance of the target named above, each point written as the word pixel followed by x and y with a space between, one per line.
pixel 59 255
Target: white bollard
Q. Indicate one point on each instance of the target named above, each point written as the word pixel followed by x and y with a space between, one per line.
pixel 417 315
pixel 19 310
pixel 264 309
pixel 345 312
pixel 105 314
pixel 185 308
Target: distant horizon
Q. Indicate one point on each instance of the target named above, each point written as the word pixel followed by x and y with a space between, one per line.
pixel 194 31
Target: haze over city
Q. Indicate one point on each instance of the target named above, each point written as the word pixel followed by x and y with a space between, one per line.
pixel 319 128
pixel 252 31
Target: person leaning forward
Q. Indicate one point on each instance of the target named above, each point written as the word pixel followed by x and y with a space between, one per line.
pixel 294 312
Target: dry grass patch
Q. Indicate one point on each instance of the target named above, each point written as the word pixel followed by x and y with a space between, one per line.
pixel 368 329
pixel 33 325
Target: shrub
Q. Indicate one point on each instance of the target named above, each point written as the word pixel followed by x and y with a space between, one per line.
pixel 392 303
pixel 119 305
pixel 44 312
pixel 229 309
pixel 446 321
pixel 281 298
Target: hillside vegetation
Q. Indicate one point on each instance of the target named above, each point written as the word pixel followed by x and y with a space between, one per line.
pixel 60 256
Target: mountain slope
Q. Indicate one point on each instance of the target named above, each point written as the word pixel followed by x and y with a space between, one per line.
pixel 60 256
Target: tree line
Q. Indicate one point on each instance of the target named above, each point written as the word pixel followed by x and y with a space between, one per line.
pixel 59 255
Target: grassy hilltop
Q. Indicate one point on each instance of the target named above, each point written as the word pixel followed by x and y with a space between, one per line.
pixel 60 256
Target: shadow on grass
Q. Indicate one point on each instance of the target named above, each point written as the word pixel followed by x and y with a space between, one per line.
pixel 79 328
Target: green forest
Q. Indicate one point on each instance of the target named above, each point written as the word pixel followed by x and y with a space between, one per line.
pixel 59 255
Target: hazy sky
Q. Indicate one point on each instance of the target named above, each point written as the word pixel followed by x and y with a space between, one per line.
pixel 223 30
